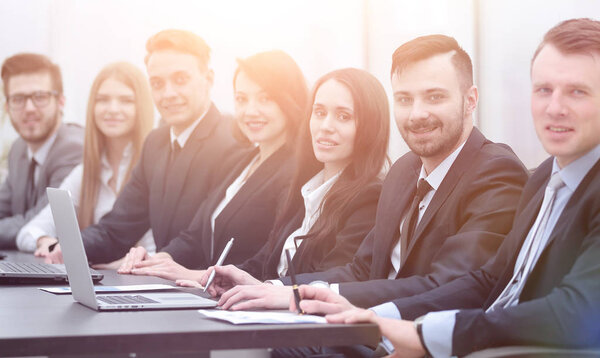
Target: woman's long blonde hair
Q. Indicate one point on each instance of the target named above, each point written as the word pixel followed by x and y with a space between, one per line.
pixel 95 142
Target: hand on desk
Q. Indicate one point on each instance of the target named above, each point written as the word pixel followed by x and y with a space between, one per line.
pixel 43 245
pixel 55 256
pixel 135 255
pixel 226 277
pixel 162 265
pixel 264 295
pixel 402 334
pixel 320 300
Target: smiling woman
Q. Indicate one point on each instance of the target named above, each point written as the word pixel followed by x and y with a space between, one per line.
pixel 119 116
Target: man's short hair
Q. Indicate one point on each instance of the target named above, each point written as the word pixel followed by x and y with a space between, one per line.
pixel 26 63
pixel 425 47
pixel 179 40
pixel 573 36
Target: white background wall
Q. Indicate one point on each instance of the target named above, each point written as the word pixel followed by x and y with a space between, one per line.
pixel 82 36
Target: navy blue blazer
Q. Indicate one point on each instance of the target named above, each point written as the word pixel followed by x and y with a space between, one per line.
pixel 160 198
pixel 463 226
pixel 318 255
pixel 248 217
pixel 560 303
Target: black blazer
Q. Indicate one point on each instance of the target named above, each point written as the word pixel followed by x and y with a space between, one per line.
pixel 463 226
pixel 318 255
pixel 160 198
pixel 248 217
pixel 560 303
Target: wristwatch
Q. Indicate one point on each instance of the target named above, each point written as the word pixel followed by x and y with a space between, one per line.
pixel 319 283
pixel 418 324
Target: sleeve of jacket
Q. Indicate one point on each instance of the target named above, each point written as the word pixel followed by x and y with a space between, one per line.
pixel 485 214
pixel 567 317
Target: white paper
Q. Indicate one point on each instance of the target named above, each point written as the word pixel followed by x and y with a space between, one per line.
pixel 127 288
pixel 268 317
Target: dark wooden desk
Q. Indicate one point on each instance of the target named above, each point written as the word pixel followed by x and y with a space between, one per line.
pixel 33 322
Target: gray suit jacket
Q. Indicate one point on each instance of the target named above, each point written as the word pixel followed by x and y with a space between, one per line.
pixel 65 153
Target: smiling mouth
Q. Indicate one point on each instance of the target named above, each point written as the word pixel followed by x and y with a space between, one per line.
pixel 422 130
pixel 326 143
pixel 558 129
pixel 174 107
pixel 256 124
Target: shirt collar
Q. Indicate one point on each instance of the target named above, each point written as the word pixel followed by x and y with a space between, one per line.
pixel 574 173
pixel 106 173
pixel 315 189
pixel 436 177
pixel 42 153
pixel 185 135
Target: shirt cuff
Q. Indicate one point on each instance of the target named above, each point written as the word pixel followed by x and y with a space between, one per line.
pixel 275 282
pixel 387 310
pixel 438 328
pixel 335 287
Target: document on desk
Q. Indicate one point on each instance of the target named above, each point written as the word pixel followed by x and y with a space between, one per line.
pixel 112 289
pixel 266 317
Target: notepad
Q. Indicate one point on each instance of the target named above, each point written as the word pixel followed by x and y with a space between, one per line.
pixel 264 317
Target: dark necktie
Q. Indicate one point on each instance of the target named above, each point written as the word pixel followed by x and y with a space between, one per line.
pixel 175 150
pixel 410 222
pixel 30 191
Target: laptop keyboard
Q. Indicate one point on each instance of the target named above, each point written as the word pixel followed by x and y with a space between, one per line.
pixel 30 267
pixel 125 299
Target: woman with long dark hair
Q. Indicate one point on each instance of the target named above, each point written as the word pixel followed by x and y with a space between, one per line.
pixel 340 155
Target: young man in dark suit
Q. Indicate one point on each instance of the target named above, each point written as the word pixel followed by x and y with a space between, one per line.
pixel 543 286
pixel 180 163
pixel 46 149
pixel 421 239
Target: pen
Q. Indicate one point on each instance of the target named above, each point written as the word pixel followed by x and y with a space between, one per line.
pixel 219 263
pixel 294 285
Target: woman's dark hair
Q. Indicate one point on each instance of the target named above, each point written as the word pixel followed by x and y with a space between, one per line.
pixel 279 76
pixel 372 115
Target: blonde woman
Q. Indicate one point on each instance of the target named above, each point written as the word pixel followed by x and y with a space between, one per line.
pixel 119 116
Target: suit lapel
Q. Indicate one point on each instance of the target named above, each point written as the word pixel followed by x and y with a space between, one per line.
pixel 20 192
pixel 388 223
pixel 159 160
pixel 176 179
pixel 262 175
pixel 462 163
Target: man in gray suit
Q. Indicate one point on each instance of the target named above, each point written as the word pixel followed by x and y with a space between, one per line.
pixel 46 150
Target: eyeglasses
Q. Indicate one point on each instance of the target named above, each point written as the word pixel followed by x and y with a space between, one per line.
pixel 39 99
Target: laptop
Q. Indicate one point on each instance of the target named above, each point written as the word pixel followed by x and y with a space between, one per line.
pixel 78 270
pixel 36 272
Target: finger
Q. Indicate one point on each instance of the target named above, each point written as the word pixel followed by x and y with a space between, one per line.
pixel 204 278
pixel 149 262
pixel 249 304
pixel 227 296
pixel 187 283
pixel 126 265
pixel 139 254
pixel 316 293
pixel 319 307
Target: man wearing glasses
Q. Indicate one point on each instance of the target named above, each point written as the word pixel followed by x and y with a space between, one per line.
pixel 46 151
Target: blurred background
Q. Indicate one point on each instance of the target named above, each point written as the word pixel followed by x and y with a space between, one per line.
pixel 321 35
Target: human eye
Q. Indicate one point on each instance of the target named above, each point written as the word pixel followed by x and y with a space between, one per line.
pixel 435 97
pixel 579 92
pixel 319 112
pixel 157 83
pixel 542 90
pixel 240 99
pixel 40 96
pixel 344 116
pixel 264 98
pixel 180 78
pixel 101 99
pixel 403 100
pixel 127 99
pixel 17 99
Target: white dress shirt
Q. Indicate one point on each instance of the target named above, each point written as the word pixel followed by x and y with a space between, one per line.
pixel 43 224
pixel 186 133
pixel 231 191
pixel 40 155
pixel 313 193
